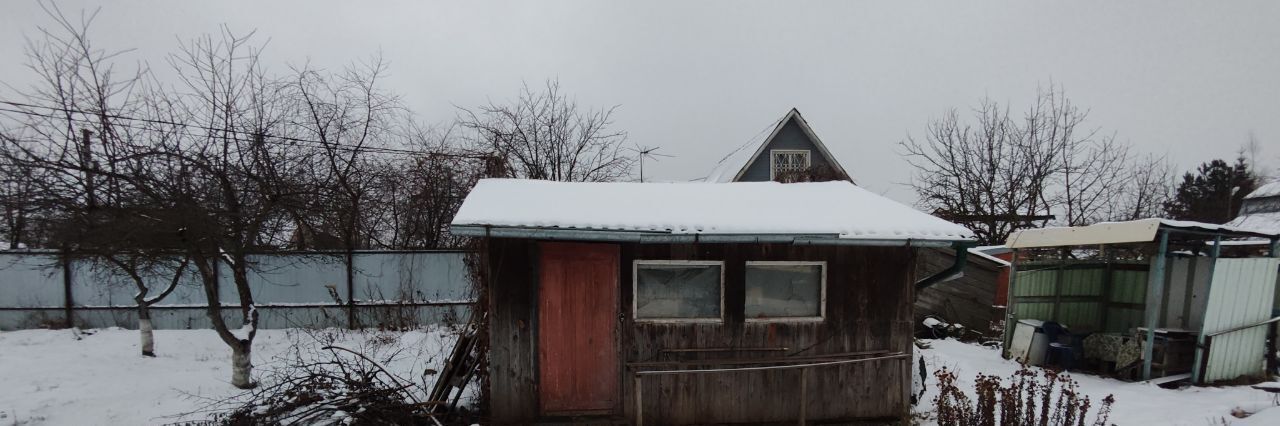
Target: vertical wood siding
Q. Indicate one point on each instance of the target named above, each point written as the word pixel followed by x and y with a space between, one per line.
pixel 869 295
pixel 577 339
pixel 512 294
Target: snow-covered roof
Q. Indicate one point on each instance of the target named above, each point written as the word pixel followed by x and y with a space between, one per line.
pixel 1269 190
pixel 819 210
pixel 992 250
pixel 1133 231
pixel 1265 222
pixel 732 166
pixel 982 254
pixel 729 166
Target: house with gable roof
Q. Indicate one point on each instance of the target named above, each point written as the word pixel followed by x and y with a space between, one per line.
pixel 793 152
pixel 1260 210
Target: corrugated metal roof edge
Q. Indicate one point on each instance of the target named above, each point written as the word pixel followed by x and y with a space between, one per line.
pixel 665 237
pixel 976 251
pixel 1135 231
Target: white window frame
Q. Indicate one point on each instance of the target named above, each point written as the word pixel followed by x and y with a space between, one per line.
pixel 773 157
pixel 635 294
pixel 822 292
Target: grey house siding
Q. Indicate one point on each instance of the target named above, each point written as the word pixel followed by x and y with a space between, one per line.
pixel 790 137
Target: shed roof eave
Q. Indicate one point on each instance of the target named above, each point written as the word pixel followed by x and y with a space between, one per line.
pixel 1136 231
pixel 666 237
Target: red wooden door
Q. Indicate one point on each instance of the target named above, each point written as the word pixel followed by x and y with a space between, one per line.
pixel 577 328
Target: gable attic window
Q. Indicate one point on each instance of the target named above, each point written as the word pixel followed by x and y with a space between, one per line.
pixel 786 291
pixel 786 165
pixel 678 291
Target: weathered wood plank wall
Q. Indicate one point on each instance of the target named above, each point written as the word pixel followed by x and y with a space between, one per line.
pixel 869 308
pixel 967 300
pixel 512 342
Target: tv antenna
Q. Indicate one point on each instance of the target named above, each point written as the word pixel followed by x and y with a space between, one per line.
pixel 647 152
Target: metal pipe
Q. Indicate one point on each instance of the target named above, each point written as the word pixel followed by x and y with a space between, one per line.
pixel 768 367
pixel 956 269
pixel 1243 327
pixel 726 349
pixel 1010 303
pixel 1201 338
pixel 1155 288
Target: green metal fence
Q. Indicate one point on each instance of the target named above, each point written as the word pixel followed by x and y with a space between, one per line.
pixel 1096 296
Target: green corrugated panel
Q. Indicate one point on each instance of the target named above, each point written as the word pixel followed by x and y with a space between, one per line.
pixel 1122 320
pixel 1044 283
pixel 1080 315
pixel 1119 286
pixel 1035 310
pixel 1129 287
pixel 1083 282
pixel 1034 283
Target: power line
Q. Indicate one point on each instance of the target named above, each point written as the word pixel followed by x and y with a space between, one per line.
pixel 265 136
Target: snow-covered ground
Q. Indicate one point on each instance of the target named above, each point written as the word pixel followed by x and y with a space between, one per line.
pixel 68 377
pixel 1136 403
pixel 97 377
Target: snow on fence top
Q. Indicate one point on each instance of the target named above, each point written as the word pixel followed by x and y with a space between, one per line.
pixel 838 209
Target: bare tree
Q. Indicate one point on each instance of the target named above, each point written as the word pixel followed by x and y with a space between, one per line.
pixel 1091 183
pixel 545 135
pixel 237 174
pixel 420 194
pixel 1253 153
pixel 1002 174
pixel 995 173
pixel 351 120
pixel 138 266
pixel 1148 186
pixel 19 194
pixel 77 160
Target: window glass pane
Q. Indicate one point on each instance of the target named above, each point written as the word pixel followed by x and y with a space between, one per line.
pixel 780 291
pixel 677 291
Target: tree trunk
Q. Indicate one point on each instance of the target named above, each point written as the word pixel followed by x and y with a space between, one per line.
pixel 241 366
pixel 144 329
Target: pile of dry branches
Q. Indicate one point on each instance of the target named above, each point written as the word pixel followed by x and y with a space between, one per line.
pixel 335 385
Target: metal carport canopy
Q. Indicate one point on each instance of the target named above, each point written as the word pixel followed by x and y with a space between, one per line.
pixel 1136 231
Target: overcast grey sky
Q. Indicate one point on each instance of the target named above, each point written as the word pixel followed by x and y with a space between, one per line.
pixel 1186 79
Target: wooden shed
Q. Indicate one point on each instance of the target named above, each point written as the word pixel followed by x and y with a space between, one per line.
pixel 679 303
pixel 972 299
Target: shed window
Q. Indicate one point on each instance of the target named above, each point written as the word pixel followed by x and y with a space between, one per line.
pixel 789 164
pixel 785 291
pixel 675 290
